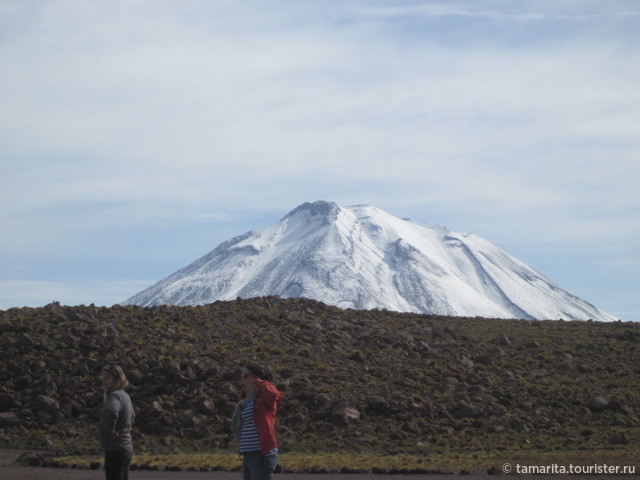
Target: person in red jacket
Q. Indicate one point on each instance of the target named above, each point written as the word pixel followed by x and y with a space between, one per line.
pixel 253 423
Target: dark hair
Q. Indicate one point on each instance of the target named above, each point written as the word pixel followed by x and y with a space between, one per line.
pixel 262 373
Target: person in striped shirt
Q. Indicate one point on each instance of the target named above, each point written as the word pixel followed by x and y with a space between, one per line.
pixel 253 423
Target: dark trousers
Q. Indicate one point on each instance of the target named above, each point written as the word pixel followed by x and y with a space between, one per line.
pixel 116 465
pixel 256 466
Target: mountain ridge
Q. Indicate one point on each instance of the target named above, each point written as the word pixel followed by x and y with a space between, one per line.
pixel 362 257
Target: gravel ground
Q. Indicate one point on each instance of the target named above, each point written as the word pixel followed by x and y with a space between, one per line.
pixel 9 470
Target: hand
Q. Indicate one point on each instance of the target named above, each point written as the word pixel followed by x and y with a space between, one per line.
pixel 114 435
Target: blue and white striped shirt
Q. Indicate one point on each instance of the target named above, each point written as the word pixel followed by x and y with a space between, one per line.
pixel 249 439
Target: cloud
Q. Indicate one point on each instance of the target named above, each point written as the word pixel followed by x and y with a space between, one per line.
pixel 538 11
pixel 123 117
pixel 135 113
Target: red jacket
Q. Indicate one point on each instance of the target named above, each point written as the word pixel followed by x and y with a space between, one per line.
pixel 264 414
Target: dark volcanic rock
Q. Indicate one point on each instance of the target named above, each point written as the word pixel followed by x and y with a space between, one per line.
pixel 364 379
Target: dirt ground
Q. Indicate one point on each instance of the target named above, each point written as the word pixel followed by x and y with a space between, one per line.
pixel 11 470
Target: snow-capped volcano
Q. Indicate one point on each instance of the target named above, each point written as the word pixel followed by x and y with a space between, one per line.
pixel 361 257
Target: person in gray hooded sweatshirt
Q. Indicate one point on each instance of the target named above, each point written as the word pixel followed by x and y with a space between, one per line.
pixel 116 420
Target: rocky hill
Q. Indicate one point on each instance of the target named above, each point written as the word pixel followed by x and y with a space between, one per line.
pixel 352 380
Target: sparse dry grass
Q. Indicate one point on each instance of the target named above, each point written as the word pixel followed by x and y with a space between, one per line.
pixel 474 462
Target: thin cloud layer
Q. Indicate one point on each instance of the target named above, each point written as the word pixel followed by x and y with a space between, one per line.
pixel 518 124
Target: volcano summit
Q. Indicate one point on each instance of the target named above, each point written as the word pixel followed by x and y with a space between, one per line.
pixel 361 257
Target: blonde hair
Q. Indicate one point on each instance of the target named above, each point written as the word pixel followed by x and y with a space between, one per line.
pixel 118 375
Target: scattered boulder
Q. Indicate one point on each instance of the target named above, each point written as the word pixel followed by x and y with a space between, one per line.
pixel 206 406
pixel 466 361
pixel 342 415
pixel 597 404
pixel 10 420
pixel 47 405
pixel 189 420
pixel 464 410
pixel 153 410
pixel 377 405
pixel 619 439
pixel 229 389
pixel 618 406
pixel 495 352
pixel 93 399
pixel 483 359
pixel 6 402
pixel 49 388
pixel 503 340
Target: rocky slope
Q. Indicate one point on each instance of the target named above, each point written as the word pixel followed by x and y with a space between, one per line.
pixel 354 380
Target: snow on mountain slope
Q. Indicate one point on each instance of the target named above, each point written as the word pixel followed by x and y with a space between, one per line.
pixel 361 257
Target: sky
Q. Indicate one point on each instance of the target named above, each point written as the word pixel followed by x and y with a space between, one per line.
pixel 136 136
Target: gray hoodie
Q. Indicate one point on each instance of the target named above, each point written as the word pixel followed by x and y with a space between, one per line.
pixel 116 420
